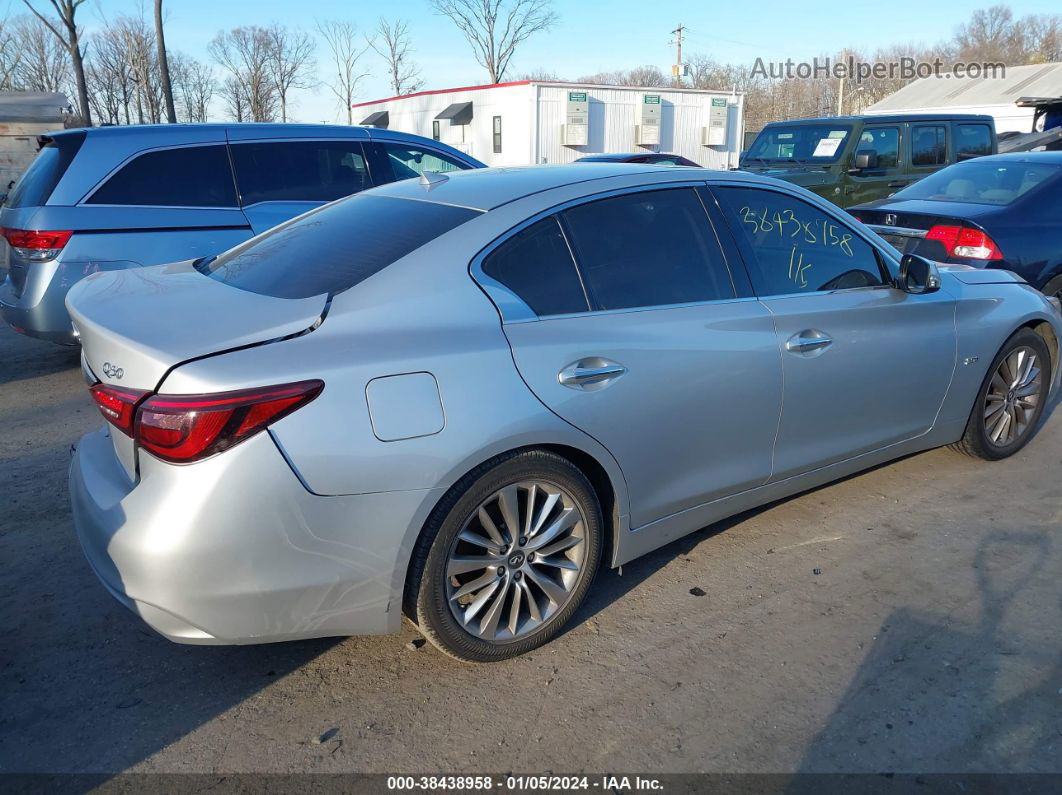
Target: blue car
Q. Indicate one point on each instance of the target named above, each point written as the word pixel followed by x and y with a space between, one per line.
pixel 1000 211
pixel 112 198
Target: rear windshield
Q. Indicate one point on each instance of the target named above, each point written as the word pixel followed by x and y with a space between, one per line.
pixel 335 247
pixel 981 182
pixel 44 173
pixel 800 143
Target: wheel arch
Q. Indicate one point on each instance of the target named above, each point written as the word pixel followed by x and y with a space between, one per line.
pixel 598 466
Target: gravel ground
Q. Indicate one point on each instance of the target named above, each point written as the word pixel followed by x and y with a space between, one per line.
pixel 906 620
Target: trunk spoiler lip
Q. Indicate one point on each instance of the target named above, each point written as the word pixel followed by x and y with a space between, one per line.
pixel 269 341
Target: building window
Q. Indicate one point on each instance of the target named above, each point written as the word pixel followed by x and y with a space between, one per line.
pixel 497 135
pixel 435 130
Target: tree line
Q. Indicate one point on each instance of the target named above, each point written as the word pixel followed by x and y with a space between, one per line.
pixel 125 73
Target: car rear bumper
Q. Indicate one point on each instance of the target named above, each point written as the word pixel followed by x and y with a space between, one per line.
pixel 235 550
pixel 38 310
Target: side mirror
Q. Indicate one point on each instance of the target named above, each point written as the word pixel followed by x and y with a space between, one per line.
pixel 865 159
pixel 918 275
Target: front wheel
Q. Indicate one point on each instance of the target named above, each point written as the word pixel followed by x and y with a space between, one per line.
pixel 506 558
pixel 1011 399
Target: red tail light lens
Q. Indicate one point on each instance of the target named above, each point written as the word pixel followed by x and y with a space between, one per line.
pixel 37 245
pixel 961 241
pixel 117 405
pixel 185 428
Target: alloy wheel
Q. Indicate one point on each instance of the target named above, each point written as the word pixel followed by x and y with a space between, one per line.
pixel 516 561
pixel 1013 396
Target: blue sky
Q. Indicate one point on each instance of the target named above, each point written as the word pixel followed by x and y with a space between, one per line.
pixel 590 37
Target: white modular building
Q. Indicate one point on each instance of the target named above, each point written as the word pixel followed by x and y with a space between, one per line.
pixel 531 121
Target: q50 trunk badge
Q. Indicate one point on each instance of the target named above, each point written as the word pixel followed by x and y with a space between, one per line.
pixel 111 371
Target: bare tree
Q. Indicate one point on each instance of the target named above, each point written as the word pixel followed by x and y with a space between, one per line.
pixel 233 92
pixel 245 53
pixel 291 62
pixel 539 74
pixel 139 51
pixel 65 29
pixel 10 56
pixel 194 86
pixel 991 35
pixel 164 65
pixel 347 52
pixel 645 76
pixel 495 28
pixel 43 63
pixel 392 44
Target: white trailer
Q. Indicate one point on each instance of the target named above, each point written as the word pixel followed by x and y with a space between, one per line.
pixel 531 121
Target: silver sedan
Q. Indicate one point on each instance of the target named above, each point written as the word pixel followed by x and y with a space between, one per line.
pixel 455 398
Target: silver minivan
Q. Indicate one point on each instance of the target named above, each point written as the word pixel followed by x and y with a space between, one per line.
pixel 111 198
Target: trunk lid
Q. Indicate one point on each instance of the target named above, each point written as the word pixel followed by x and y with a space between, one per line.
pixel 903 224
pixel 137 324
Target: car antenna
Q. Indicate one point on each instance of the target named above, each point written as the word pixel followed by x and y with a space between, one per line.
pixel 429 179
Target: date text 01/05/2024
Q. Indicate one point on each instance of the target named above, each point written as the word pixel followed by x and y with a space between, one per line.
pixel 524 783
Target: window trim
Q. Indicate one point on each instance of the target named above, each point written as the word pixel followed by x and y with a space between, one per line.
pixel 86 199
pixel 878 246
pixel 513 309
pixel 359 142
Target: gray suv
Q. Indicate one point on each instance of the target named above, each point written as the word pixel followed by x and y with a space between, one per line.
pixel 112 198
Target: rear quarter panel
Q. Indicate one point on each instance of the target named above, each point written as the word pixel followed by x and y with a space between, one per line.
pixel 986 316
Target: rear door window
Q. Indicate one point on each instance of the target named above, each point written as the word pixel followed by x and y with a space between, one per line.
pixel 190 176
pixel 39 180
pixel 409 160
pixel 651 248
pixel 334 247
pixel 299 170
pixel 536 264
pixel 928 147
pixel 791 246
pixel 973 140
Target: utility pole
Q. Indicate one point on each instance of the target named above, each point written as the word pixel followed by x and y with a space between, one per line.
pixel 840 86
pixel 677 69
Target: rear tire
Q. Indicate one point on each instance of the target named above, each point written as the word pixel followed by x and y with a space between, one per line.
pixel 506 558
pixel 1011 399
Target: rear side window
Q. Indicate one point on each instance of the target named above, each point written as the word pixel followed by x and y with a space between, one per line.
pixel 39 180
pixel 408 161
pixel 191 176
pixel 334 247
pixel 794 247
pixel 299 170
pixel 652 248
pixel 537 265
pixel 973 140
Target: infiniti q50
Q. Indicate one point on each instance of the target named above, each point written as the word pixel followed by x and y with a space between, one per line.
pixel 456 398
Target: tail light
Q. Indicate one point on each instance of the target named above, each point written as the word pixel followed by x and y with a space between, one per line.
pixel 36 245
pixel 186 428
pixel 117 405
pixel 961 241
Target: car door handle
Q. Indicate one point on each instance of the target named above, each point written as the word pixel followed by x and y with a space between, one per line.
pixel 899 183
pixel 807 341
pixel 590 373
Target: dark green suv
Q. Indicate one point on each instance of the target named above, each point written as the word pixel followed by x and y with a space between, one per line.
pixel 854 159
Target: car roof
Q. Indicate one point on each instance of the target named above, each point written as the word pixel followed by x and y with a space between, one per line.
pixel 489 188
pixel 887 117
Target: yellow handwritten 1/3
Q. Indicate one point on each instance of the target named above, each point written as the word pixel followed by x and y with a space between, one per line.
pixel 785 222
pixel 798 268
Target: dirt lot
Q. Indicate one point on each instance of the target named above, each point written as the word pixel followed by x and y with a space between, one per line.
pixel 903 620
